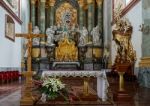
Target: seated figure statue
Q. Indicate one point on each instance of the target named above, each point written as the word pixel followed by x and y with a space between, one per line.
pixel 50 36
pixel 96 36
pixel 36 41
pixel 83 37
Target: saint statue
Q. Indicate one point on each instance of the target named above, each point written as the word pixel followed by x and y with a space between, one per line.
pixel 36 41
pixel 96 36
pixel 83 37
pixel 50 36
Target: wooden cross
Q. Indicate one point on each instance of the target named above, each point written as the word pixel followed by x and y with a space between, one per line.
pixel 29 36
pixel 27 96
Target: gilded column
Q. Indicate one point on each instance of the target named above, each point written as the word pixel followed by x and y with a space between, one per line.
pixel 42 17
pixel 33 12
pixel 52 12
pixel 90 15
pixel 81 14
pixel 100 14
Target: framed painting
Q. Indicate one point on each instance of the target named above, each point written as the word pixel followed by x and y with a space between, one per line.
pixel 14 6
pixel 9 28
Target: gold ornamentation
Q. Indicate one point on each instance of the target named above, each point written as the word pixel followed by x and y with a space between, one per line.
pixel 62 9
pixel 33 1
pixel 52 3
pixel 90 1
pixel 86 86
pixel 81 3
pixel 99 2
pixel 66 51
pixel 125 52
pixel 145 62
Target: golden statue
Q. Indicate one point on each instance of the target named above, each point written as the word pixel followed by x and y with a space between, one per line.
pixel 66 50
pixel 125 52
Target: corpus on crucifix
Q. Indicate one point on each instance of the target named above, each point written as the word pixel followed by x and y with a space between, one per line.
pixel 27 98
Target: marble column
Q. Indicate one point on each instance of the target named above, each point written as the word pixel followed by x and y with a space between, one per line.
pixel 81 14
pixel 100 14
pixel 52 12
pixel 90 15
pixel 33 12
pixel 42 17
pixel 145 62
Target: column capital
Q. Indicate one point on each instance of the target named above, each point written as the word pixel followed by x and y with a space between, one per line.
pixel 52 2
pixel 99 2
pixel 33 1
pixel 81 3
pixel 43 1
pixel 90 1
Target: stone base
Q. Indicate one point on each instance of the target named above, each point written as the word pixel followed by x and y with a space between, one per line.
pixel 122 96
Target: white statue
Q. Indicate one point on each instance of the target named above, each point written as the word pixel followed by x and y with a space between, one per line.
pixel 50 36
pixel 36 41
pixel 96 36
pixel 83 37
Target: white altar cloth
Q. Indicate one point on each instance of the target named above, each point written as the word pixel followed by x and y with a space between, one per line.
pixel 102 82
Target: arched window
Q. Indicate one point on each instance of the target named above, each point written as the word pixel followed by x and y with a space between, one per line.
pixel 9 28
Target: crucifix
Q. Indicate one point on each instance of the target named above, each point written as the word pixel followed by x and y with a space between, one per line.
pixel 27 98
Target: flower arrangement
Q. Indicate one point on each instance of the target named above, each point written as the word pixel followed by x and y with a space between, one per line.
pixel 52 88
pixel 122 24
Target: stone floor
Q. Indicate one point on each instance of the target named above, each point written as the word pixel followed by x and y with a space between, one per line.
pixel 10 93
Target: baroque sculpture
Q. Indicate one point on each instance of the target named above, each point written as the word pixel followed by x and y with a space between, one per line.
pixel 50 36
pixel 36 41
pixel 96 36
pixel 83 37
pixel 122 32
pixel 66 50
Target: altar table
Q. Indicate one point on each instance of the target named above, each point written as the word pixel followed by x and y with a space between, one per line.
pixel 102 82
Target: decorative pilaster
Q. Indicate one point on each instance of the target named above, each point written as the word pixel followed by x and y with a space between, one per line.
pixel 33 12
pixel 81 13
pixel 100 14
pixel 90 15
pixel 42 17
pixel 51 4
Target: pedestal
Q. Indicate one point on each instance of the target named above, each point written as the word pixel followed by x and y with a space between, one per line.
pixel 122 95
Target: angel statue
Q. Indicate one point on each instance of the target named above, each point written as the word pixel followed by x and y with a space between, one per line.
pixel 96 36
pixel 36 41
pixel 50 36
pixel 83 37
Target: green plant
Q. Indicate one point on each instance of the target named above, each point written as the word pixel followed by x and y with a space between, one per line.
pixel 53 88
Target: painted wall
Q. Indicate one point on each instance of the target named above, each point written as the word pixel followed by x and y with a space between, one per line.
pixel 135 17
pixel 10 52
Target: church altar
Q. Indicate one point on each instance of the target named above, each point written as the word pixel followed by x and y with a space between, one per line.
pixel 102 82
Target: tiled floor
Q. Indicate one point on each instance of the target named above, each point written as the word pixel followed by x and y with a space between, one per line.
pixel 10 94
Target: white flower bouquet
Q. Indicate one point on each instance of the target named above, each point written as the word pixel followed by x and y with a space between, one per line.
pixel 52 88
